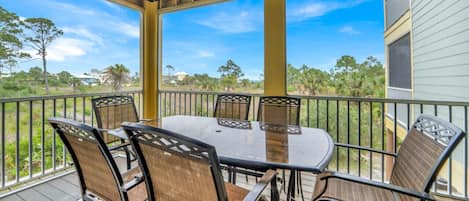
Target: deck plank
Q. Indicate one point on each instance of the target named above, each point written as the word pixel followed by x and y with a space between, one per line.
pixel 13 197
pixel 66 187
pixel 54 193
pixel 31 194
pixel 72 178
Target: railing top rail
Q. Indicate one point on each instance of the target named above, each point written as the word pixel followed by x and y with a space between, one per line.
pixel 207 92
pixel 344 98
pixel 51 97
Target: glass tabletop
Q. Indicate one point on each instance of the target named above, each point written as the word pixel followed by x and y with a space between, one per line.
pixel 255 144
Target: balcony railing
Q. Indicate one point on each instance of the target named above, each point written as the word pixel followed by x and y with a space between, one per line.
pixel 354 123
pixel 29 147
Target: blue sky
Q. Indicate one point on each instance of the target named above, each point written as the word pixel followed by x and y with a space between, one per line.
pixel 98 34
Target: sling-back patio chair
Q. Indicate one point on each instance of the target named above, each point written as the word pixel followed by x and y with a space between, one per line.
pixel 176 167
pixel 111 112
pixel 97 171
pixel 279 110
pixel 422 154
pixel 232 106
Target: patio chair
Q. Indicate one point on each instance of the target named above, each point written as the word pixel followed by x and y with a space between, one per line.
pixel 422 154
pixel 279 110
pixel 110 112
pixel 97 171
pixel 232 106
pixel 176 167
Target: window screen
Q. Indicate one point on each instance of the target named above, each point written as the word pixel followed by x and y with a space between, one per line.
pixel 399 63
pixel 394 10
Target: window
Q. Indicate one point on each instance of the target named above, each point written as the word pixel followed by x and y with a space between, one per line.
pixel 394 10
pixel 399 63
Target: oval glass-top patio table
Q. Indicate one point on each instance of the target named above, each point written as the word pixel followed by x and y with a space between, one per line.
pixel 259 146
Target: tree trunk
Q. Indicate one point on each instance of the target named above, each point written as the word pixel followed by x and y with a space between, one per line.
pixel 44 65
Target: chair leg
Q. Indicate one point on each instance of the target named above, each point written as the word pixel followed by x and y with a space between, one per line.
pixel 127 156
pixel 274 195
pixel 234 175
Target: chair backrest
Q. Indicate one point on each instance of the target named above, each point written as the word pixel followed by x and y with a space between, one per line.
pixel 232 106
pixel 111 111
pixel 97 171
pixel 176 167
pixel 423 152
pixel 279 110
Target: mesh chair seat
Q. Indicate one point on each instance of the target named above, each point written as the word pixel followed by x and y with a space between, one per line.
pixel 96 168
pixel 176 168
pixel 350 191
pixel 138 193
pixel 421 156
pixel 232 106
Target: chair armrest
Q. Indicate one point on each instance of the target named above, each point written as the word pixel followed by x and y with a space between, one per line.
pixel 145 120
pixel 263 182
pixel 102 130
pixel 119 146
pixel 366 149
pixel 132 183
pixel 390 187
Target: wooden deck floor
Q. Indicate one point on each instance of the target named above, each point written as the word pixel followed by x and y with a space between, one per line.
pixel 66 188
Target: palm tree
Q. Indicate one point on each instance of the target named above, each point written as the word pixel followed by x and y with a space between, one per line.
pixel 169 68
pixel 116 76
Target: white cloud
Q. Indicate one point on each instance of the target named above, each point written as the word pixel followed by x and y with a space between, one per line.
pixel 316 8
pixel 349 30
pixel 225 22
pixel 84 33
pixel 127 29
pixel 68 47
pixel 112 5
pixel 69 8
pixel 204 53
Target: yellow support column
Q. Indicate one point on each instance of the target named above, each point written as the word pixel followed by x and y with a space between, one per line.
pixel 275 61
pixel 150 59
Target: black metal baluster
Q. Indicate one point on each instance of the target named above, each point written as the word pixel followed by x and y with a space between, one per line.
pixel 317 113
pixel 190 103
pixel 465 152
pixel 337 112
pixel 307 112
pixel 30 143
pixel 371 139
pixel 54 108
pixel 450 160
pixel 327 116
pixel 74 108
pixel 359 137
pixel 3 145
pixel 383 129
pixel 83 109
pixel 348 136
pixel 64 150
pixel 17 157
pixel 43 133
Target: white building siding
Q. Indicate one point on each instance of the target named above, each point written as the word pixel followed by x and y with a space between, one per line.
pixel 441 49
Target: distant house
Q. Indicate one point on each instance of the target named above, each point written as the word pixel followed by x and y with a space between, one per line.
pixel 181 75
pixel 89 80
pixel 5 75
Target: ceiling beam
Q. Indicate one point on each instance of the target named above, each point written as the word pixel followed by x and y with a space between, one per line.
pixel 167 6
pixel 134 4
